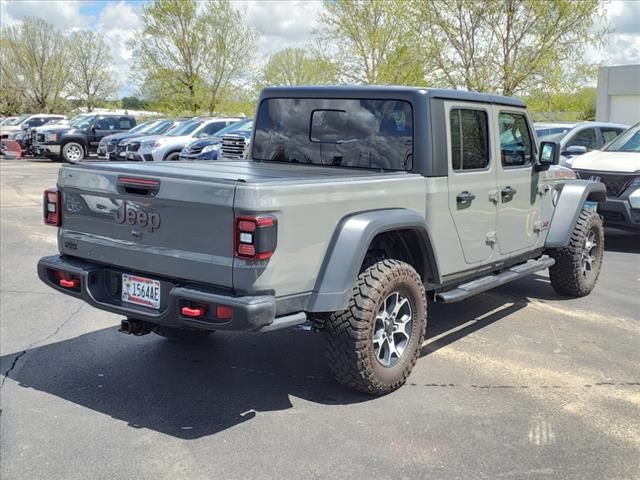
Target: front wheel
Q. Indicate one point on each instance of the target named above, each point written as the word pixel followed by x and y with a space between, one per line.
pixel 578 264
pixel 72 152
pixel 373 345
pixel 172 157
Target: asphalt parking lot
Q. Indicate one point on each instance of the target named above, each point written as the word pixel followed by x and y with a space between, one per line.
pixel 515 383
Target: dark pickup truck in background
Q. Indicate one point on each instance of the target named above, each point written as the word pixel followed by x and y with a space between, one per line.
pixel 74 142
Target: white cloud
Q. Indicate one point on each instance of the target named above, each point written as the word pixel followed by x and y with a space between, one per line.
pixel 62 15
pixel 622 45
pixel 117 23
pixel 282 24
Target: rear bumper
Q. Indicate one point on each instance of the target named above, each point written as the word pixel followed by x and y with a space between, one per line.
pixel 100 287
pixel 618 213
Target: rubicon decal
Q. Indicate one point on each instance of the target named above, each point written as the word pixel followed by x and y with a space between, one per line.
pixel 130 215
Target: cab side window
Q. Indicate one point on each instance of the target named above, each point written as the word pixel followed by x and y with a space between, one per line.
pixel 124 123
pixel 609 133
pixel 516 145
pixel 584 138
pixel 469 139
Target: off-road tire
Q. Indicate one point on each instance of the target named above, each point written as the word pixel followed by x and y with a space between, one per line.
pixel 567 275
pixel 172 157
pixel 349 333
pixel 67 152
pixel 182 335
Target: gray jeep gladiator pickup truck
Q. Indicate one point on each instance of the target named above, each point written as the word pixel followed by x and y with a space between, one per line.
pixel 355 205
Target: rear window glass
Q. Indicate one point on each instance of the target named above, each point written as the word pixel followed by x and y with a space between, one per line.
pixel 469 139
pixel 354 133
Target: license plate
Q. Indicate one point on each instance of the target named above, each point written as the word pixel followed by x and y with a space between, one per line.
pixel 588 205
pixel 131 156
pixel 141 291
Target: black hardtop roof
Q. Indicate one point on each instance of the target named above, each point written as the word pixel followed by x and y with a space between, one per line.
pixel 383 91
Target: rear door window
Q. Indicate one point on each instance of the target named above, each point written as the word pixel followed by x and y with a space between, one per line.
pixel 609 133
pixel 212 128
pixel 107 123
pixel 469 139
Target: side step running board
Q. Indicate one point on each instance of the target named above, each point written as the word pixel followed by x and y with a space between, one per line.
pixel 483 284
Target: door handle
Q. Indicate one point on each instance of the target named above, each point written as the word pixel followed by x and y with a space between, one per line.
pixel 508 193
pixel 465 198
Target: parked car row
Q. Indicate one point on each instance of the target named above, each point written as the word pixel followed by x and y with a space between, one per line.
pixel 578 138
pixel 608 153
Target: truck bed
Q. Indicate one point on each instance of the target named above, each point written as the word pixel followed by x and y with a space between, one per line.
pixel 234 171
pixel 195 205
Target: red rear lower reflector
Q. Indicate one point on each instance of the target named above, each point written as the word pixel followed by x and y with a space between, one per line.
pixel 69 283
pixel 223 312
pixel 192 312
pixel 246 250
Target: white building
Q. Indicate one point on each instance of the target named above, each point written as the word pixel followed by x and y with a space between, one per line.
pixel 618 94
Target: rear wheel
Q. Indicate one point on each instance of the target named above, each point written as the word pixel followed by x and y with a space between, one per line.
pixel 578 264
pixel 72 152
pixel 373 345
pixel 172 157
pixel 182 335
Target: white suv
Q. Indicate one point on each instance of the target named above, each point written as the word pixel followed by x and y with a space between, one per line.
pixel 617 165
pixel 158 148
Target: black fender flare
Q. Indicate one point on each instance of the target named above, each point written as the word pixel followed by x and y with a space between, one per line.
pixel 347 250
pixel 568 206
pixel 171 152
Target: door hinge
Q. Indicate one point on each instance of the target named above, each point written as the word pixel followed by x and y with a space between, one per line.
pixel 492 238
pixel 537 226
pixel 543 189
pixel 541 225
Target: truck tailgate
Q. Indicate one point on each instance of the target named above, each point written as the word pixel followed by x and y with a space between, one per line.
pixel 153 220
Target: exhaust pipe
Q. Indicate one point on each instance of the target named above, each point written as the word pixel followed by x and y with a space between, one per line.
pixel 135 327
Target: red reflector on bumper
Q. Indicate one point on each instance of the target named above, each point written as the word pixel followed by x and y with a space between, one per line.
pixel 69 283
pixel 224 312
pixel 246 250
pixel 192 312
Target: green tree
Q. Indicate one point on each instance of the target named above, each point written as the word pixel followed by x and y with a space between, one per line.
pixel 568 106
pixel 93 80
pixel 370 41
pixel 187 52
pixel 231 45
pixel 507 46
pixel 35 64
pixel 132 103
pixel 295 66
pixel 169 51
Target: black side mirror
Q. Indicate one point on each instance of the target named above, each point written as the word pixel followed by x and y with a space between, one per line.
pixel 549 155
pixel 576 150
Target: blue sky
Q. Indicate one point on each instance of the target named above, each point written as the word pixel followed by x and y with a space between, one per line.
pixel 280 23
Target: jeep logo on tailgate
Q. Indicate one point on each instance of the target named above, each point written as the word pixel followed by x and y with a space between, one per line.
pixel 131 216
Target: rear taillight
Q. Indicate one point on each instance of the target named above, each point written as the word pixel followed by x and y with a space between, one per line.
pixel 255 237
pixel 52 207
